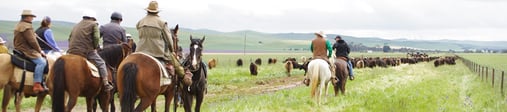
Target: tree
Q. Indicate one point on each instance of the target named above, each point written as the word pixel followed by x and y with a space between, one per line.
pixel 386 48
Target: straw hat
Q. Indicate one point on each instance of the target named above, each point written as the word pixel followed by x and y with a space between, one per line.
pixel 27 13
pixel 321 34
pixel 2 41
pixel 152 7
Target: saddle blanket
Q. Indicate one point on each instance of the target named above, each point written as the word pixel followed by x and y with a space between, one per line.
pixel 18 74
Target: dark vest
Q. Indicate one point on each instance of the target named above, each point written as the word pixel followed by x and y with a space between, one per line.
pixel 40 32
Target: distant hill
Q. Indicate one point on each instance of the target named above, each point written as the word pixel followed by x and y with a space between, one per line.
pixel 270 42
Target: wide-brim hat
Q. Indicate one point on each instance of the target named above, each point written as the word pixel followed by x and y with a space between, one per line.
pixel 321 34
pixel 27 13
pixel 152 7
pixel 2 41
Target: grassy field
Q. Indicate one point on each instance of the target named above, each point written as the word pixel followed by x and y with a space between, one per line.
pixel 419 87
pixel 498 61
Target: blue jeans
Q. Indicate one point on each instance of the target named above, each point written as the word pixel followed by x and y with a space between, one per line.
pixel 40 64
pixel 351 72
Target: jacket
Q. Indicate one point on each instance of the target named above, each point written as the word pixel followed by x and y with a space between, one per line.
pixel 25 40
pixel 341 49
pixel 112 33
pixel 154 37
pixel 321 48
pixel 84 38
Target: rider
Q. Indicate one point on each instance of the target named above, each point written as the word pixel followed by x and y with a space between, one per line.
pixel 321 49
pixel 343 50
pixel 46 34
pixel 155 40
pixel 84 41
pixel 26 42
pixel 3 48
pixel 112 33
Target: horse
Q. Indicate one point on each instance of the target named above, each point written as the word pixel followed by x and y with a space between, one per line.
pixel 199 79
pixel 9 83
pixel 319 75
pixel 342 73
pixel 72 75
pixel 212 63
pixel 139 77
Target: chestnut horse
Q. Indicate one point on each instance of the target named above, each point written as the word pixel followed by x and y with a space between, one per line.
pixel 72 75
pixel 199 79
pixel 342 73
pixel 139 77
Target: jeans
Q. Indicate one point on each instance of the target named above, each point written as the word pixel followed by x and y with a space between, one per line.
pixel 351 72
pixel 40 64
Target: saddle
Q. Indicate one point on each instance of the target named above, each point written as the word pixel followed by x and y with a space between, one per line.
pixel 165 78
pixel 22 61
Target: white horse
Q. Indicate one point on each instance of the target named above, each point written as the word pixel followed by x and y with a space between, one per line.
pixel 319 75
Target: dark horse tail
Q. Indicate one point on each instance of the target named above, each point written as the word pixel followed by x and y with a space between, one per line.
pixel 129 87
pixel 58 86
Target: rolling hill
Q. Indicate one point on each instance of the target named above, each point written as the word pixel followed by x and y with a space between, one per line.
pixel 253 41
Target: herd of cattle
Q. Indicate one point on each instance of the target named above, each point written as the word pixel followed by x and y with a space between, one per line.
pixel 357 62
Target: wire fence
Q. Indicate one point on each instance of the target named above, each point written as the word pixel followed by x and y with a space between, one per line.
pixel 487 74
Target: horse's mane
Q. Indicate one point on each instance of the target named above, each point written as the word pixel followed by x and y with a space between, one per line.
pixel 112 55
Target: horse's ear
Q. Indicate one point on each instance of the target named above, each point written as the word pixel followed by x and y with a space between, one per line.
pixel 202 40
pixel 190 37
pixel 176 28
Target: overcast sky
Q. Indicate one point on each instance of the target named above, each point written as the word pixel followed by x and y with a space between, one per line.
pixel 390 19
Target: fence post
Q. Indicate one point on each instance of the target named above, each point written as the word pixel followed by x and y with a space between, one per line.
pixel 501 84
pixel 493 78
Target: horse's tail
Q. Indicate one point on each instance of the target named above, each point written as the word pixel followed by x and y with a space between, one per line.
pixel 314 78
pixel 129 87
pixel 59 85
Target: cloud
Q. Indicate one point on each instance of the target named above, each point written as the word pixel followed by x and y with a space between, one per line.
pixel 413 19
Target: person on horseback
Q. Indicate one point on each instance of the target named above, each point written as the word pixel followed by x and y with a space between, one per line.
pixel 343 50
pixel 3 48
pixel 84 41
pixel 321 49
pixel 46 41
pixel 156 40
pixel 112 33
pixel 26 42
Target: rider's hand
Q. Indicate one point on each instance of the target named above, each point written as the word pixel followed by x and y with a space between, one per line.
pixel 43 54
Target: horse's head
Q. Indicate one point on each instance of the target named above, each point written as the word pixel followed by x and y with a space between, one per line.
pixel 195 55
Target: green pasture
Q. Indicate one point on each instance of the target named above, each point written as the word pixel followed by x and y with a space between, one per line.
pixel 497 61
pixel 417 87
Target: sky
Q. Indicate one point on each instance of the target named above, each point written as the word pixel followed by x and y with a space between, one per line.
pixel 482 20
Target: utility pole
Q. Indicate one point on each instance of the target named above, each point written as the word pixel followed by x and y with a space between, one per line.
pixel 244 45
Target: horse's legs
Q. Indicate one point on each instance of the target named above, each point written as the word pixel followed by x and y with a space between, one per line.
pixel 198 101
pixel 145 102
pixel 89 104
pixel 111 101
pixel 6 98
pixel 187 100
pixel 154 106
pixel 103 101
pixel 71 103
pixel 169 94
pixel 38 104
pixel 17 102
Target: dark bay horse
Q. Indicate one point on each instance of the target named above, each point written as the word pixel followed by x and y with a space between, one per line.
pixel 10 84
pixel 139 77
pixel 199 79
pixel 71 74
pixel 342 72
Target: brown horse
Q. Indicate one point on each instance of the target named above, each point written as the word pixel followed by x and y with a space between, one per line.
pixel 8 80
pixel 71 74
pixel 212 63
pixel 139 76
pixel 342 73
